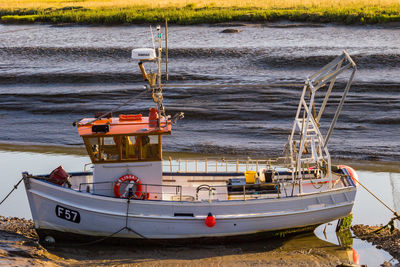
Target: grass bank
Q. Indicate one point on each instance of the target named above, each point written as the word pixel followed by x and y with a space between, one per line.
pixel 206 11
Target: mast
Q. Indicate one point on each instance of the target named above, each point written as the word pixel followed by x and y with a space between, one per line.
pixel 159 89
pixel 166 50
pixel 153 55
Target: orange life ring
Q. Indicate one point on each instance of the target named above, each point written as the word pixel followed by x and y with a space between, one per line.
pixel 352 172
pixel 128 177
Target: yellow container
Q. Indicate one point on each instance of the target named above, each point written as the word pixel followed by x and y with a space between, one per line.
pixel 250 177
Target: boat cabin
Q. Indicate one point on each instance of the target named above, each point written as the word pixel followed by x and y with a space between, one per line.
pixel 124 145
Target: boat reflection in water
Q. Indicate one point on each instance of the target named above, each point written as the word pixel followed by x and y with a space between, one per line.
pixel 293 250
pixel 343 251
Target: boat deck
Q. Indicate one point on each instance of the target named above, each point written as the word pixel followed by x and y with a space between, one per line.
pixel 219 186
pixel 222 190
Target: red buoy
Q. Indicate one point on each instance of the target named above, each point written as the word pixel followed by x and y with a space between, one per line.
pixel 210 220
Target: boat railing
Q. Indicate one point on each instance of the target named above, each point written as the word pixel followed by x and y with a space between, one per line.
pixel 98 187
pixel 227 192
pixel 215 165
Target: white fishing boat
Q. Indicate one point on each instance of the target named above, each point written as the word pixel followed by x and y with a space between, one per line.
pixel 134 194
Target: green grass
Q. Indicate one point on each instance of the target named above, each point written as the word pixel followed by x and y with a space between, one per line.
pixel 192 15
pixel 346 222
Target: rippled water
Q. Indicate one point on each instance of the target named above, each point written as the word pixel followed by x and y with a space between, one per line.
pixel 52 76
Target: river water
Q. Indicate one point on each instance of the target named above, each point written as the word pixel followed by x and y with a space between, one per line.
pixel 51 76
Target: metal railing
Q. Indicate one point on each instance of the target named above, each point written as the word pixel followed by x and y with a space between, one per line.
pixel 90 188
pixel 245 191
pixel 215 165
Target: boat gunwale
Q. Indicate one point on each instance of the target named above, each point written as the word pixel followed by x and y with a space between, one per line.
pixel 346 189
pixel 202 217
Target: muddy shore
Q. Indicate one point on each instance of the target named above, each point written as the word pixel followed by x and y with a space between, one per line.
pixel 19 247
pixel 384 239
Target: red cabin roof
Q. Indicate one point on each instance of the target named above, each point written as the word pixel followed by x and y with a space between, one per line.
pixel 135 126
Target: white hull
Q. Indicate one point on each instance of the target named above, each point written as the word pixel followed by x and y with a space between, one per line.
pixel 103 216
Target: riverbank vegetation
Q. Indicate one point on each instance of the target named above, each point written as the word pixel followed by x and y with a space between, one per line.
pixel 202 11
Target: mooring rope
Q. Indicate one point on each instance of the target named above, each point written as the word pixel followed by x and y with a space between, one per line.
pixel 126 220
pixel 99 240
pixel 396 215
pixel 15 187
pixel 389 224
pixel 377 198
pixel 17 184
pixel 111 235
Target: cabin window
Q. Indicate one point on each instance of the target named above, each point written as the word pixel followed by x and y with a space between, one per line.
pixel 124 148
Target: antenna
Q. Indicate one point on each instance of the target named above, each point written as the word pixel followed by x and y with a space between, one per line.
pixel 154 56
pixel 166 49
pixel 152 37
pixel 158 90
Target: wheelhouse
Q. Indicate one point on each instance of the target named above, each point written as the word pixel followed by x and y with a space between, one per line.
pixel 127 138
pixel 125 145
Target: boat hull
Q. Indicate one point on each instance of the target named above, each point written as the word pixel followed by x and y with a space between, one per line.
pixel 56 210
pixel 89 239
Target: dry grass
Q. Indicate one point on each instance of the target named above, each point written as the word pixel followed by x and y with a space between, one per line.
pixel 271 4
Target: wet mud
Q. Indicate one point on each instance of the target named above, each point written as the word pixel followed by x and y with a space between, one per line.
pixel 19 247
pixel 385 239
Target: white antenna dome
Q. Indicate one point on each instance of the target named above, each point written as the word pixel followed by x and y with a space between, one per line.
pixel 144 54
